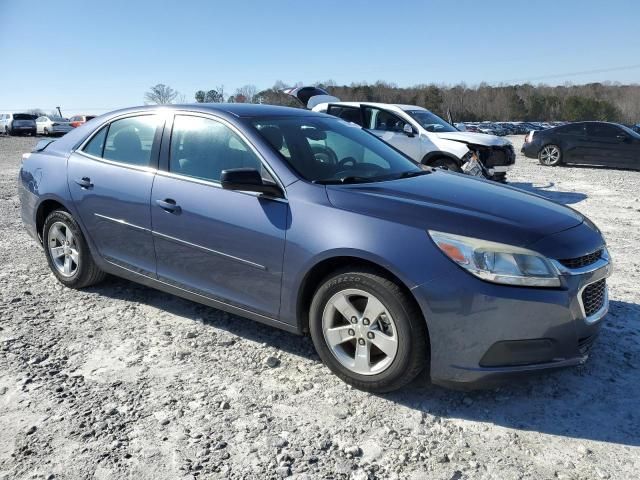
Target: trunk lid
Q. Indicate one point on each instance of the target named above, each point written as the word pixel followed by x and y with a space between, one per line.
pixel 310 96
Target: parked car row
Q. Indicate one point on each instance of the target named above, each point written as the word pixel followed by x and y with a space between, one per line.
pixel 506 128
pixel 28 124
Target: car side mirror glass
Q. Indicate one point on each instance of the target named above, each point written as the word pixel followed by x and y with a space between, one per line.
pixel 621 137
pixel 408 130
pixel 248 180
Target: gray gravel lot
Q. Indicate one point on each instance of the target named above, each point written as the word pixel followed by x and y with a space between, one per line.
pixel 121 381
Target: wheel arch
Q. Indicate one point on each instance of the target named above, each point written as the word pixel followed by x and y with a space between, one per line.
pixel 45 207
pixel 431 157
pixel 325 267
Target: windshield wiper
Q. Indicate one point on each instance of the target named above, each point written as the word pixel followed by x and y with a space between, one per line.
pixel 414 173
pixel 345 180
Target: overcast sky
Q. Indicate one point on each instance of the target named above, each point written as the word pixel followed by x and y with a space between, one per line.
pixel 92 56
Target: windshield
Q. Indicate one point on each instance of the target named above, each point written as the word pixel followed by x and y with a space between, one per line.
pixel 630 131
pixel 330 150
pixel 22 116
pixel 431 122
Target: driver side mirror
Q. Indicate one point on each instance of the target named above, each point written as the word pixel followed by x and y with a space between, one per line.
pixel 408 130
pixel 622 137
pixel 248 180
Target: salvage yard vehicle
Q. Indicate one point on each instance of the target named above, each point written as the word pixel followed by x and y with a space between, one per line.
pixel 309 223
pixel 17 124
pixel 52 125
pixel 585 143
pixel 78 120
pixel 418 133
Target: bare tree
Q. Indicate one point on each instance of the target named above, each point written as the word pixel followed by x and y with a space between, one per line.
pixel 38 112
pixel 160 94
pixel 246 93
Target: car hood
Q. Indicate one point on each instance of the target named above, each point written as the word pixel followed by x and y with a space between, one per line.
pixel 459 204
pixel 475 138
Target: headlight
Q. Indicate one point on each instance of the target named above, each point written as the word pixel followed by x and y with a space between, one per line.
pixel 497 262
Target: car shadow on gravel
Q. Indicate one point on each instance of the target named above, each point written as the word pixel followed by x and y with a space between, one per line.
pixel 596 401
pixel 121 289
pixel 566 198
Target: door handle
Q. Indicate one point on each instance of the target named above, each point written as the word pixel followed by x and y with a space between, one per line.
pixel 84 182
pixel 169 205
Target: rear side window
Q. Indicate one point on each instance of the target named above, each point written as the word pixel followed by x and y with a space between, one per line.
pixel 571 129
pixel 348 114
pixel 96 146
pixel 130 140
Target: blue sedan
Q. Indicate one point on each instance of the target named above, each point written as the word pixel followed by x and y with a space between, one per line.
pixel 311 224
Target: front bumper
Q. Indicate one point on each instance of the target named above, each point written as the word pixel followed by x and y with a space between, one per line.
pixel 482 333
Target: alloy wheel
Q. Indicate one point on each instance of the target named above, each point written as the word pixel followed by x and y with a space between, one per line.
pixel 63 248
pixel 550 155
pixel 360 331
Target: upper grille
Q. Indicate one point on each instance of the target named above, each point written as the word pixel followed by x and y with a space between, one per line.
pixel 583 261
pixel 593 297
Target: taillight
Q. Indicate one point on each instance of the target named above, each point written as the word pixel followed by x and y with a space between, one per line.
pixel 529 137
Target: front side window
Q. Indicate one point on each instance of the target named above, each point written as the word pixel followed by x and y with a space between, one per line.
pixel 203 148
pixel 378 119
pixel 130 140
pixel 603 130
pixel 329 150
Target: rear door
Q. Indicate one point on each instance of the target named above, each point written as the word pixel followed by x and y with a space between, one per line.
pixel 110 179
pixel 224 244
pixel 390 127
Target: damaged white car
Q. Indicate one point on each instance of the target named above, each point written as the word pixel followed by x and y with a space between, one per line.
pixel 419 133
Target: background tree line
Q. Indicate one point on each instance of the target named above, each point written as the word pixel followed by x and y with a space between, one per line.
pixel 593 101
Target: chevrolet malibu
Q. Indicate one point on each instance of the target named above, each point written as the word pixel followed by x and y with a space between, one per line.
pixel 311 224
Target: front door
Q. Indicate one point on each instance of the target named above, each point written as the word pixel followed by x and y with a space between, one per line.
pixel 224 244
pixel 110 182
pixel 390 128
pixel 609 145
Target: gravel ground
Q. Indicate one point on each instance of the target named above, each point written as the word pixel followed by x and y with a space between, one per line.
pixel 121 381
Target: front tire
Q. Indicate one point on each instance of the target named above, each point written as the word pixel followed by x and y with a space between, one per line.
pixel 446 164
pixel 550 155
pixel 67 251
pixel 368 331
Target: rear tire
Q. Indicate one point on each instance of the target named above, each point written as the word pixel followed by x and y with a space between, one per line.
pixel 550 155
pixel 348 342
pixel 67 251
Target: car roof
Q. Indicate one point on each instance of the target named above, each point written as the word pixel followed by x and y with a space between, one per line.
pixel 235 109
pixel 388 106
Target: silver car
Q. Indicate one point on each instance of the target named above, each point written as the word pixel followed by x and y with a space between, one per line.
pixel 52 125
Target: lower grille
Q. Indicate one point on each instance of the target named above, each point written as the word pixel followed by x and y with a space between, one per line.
pixel 593 297
pixel 585 344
